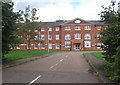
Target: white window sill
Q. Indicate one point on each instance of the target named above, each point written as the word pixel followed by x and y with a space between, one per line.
pixel 87 29
pixel 77 38
pixel 17 48
pixel 57 48
pixel 35 48
pixel 77 29
pixel 88 47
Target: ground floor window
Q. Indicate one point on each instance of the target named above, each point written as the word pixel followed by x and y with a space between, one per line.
pixel 98 45
pixel 50 45
pixel 29 46
pixel 57 45
pixel 42 45
pixel 36 46
pixel 87 44
pixel 67 44
pixel 18 46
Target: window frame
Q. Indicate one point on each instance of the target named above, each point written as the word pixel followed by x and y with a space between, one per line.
pixel 76 28
pixel 42 37
pixel 50 37
pixel 18 46
pixel 87 27
pixel 86 36
pixel 76 34
pixel 50 29
pixel 36 37
pixel 67 37
pixel 87 42
pixel 66 44
pixel 42 29
pixel 42 46
pixel 99 27
pixel 67 28
pixel 57 46
pixel 57 28
pixel 35 46
pixel 50 45
pixel 57 36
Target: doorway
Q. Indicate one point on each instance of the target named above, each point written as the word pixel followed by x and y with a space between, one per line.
pixel 77 46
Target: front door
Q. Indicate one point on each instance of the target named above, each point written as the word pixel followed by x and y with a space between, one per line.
pixel 77 46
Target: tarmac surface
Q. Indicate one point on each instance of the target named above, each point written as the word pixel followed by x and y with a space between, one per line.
pixel 61 67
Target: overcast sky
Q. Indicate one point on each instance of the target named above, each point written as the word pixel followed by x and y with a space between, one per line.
pixel 51 10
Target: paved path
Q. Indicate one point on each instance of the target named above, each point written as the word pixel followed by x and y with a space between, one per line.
pixel 64 67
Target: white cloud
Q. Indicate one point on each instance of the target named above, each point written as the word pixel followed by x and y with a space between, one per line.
pixel 50 10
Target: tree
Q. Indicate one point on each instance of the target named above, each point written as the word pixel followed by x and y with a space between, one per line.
pixel 111 35
pixel 28 25
pixel 9 19
pixel 111 41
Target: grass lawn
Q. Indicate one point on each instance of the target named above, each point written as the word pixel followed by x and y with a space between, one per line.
pixel 20 54
pixel 99 55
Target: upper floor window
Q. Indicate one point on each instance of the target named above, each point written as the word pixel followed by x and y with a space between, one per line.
pixel 98 36
pixel 57 36
pixel 35 37
pixel 87 36
pixel 67 28
pixel 77 36
pixel 50 29
pixel 87 27
pixel 77 27
pixel 99 28
pixel 106 27
pixel 57 28
pixel 67 44
pixel 67 37
pixel 36 30
pixel 42 37
pixel 42 29
pixel 50 36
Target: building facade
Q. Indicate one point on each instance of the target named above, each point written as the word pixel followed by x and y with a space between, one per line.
pixel 77 34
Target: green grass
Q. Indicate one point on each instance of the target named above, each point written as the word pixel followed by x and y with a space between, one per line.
pixel 100 56
pixel 21 54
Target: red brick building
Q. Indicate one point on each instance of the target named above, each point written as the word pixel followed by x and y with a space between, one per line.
pixel 77 34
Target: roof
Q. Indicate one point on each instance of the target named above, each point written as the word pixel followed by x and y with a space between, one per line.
pixel 62 22
pixel 97 22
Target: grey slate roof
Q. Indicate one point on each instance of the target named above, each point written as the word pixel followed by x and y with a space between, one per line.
pixel 52 23
pixel 97 22
pixel 62 22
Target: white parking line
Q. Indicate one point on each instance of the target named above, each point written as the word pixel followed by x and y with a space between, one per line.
pixel 34 80
pixel 61 60
pixel 53 66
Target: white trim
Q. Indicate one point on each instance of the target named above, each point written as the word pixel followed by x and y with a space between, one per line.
pixel 87 43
